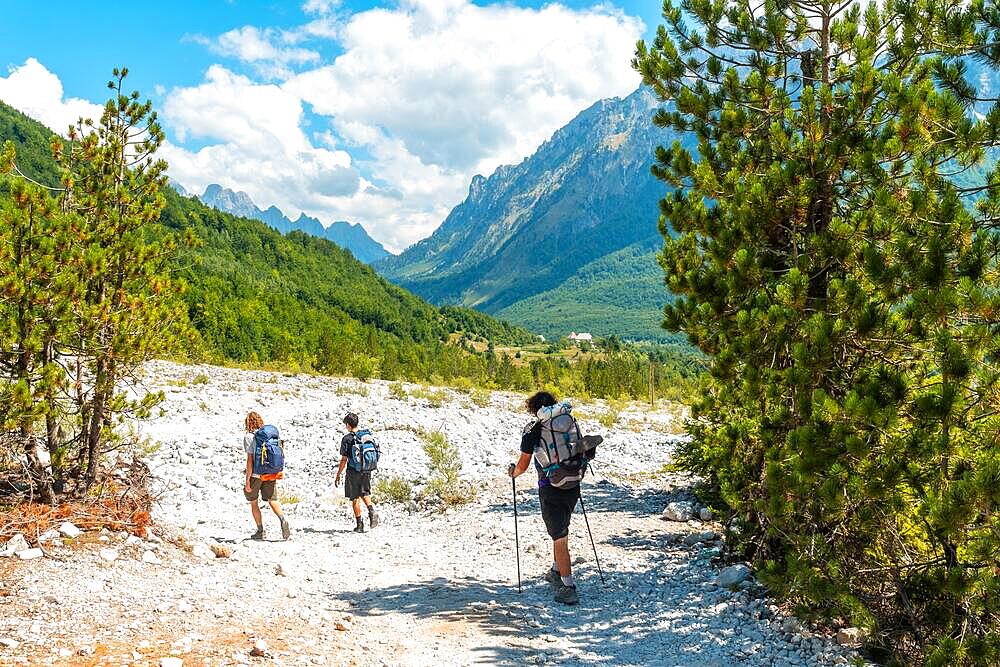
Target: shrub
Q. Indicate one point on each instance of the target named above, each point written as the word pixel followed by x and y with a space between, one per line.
pixel 481 397
pixel 393 489
pixel 398 391
pixel 444 465
pixel 364 367
pixel 200 378
pixel 434 397
pixel 351 390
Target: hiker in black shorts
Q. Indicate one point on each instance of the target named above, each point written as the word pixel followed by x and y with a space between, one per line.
pixel 557 505
pixel 357 485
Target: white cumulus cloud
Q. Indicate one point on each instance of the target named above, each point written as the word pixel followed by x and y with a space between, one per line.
pixel 254 142
pixel 36 92
pixel 469 87
pixel 420 96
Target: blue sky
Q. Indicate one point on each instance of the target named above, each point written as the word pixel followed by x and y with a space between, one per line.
pixel 378 113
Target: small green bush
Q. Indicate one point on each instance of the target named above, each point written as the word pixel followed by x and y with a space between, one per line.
pixel 398 391
pixel 434 397
pixel 481 397
pixel 445 465
pixel 611 416
pixel 351 390
pixel 393 489
pixel 200 378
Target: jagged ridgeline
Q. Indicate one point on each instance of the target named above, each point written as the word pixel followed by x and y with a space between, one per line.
pixel 564 241
pixel 255 295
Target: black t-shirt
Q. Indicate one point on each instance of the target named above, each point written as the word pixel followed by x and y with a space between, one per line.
pixel 529 441
pixel 346 443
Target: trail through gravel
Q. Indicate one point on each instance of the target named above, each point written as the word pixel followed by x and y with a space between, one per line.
pixel 424 588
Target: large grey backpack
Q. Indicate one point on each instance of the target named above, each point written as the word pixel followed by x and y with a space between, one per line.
pixel 558 452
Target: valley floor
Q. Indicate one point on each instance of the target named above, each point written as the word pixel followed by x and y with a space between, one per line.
pixel 424 588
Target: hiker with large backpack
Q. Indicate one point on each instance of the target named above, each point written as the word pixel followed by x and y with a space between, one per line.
pixel 265 466
pixel 552 440
pixel 359 455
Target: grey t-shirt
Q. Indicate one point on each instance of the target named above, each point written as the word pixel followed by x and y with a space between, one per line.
pixel 248 446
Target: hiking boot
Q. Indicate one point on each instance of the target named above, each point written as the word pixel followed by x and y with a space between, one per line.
pixel 259 535
pixel 567 594
pixel 286 530
pixel 360 528
pixel 552 576
pixel 373 517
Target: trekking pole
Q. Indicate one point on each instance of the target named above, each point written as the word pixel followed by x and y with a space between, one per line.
pixel 596 559
pixel 517 539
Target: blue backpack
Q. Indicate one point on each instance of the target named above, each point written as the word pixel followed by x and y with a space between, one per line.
pixel 268 457
pixel 364 452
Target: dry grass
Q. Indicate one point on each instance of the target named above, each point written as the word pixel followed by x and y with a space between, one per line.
pixel 118 503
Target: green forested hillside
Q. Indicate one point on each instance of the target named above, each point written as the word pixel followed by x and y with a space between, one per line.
pixel 623 291
pixel 255 295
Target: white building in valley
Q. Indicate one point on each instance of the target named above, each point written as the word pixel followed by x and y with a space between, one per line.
pixel 581 337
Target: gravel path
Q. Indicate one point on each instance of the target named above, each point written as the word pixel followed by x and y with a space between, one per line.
pixel 425 588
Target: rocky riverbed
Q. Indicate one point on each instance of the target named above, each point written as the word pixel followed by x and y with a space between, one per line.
pixel 430 586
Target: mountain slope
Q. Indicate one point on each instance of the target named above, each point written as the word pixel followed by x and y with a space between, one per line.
pixel 621 293
pixel 255 295
pixel 528 228
pixel 353 237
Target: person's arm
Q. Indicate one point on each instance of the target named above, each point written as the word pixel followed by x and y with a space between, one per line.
pixel 529 440
pixel 340 470
pixel 246 484
pixel 521 465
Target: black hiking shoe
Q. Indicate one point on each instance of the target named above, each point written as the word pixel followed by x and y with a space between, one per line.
pixel 552 576
pixel 567 595
pixel 286 530
pixel 372 517
pixel 360 528
pixel 259 535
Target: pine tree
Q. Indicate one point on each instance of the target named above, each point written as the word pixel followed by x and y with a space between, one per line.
pixel 844 288
pixel 39 265
pixel 129 311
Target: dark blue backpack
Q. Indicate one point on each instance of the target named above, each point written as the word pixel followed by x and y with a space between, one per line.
pixel 364 452
pixel 268 457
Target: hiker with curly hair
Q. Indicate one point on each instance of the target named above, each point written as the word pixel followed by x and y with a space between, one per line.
pixel 560 454
pixel 257 442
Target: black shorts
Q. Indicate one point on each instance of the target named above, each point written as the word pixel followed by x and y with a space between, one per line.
pixel 557 508
pixel 357 484
pixel 258 487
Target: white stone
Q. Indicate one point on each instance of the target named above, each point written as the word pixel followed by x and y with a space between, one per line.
pixel 109 555
pixel 67 529
pixel 48 536
pixel 151 558
pixel 732 576
pixel 7 642
pixel 705 514
pixel 171 662
pixel 680 510
pixel 203 551
pixel 15 544
pixel 30 554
